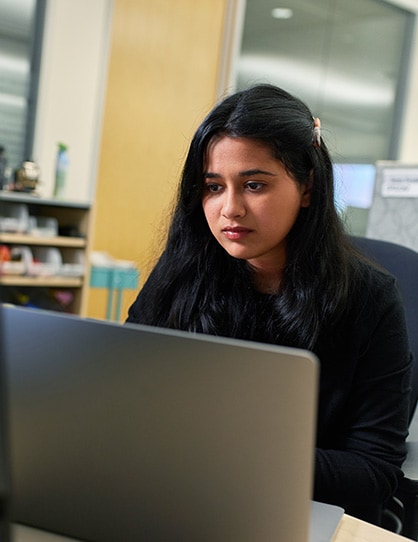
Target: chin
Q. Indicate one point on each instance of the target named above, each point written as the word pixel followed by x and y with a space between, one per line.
pixel 238 254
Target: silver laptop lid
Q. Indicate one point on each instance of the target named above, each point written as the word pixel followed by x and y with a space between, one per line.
pixel 4 446
pixel 135 433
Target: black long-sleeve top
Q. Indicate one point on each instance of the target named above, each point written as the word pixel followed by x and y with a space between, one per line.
pixel 363 401
pixel 363 405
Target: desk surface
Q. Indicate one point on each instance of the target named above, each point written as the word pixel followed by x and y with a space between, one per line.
pixel 349 530
pixel 352 529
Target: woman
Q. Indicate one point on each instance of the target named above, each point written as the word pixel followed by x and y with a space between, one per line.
pixel 256 251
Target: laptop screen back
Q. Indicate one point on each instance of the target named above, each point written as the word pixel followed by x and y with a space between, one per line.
pixel 135 433
pixel 4 443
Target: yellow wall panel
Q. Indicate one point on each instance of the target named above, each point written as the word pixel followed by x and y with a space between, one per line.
pixel 162 79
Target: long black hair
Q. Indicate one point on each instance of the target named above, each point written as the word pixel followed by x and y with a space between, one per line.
pixel 197 286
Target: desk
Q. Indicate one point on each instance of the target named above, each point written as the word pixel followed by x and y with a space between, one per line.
pixel 349 530
pixel 355 530
pixel 26 534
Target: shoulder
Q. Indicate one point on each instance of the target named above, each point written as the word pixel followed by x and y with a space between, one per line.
pixel 372 327
pixel 373 283
pixel 373 299
pixel 375 318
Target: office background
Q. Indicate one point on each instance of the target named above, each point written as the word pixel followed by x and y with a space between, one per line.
pixel 125 82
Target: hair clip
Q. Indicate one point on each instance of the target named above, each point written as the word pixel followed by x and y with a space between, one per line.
pixel 317 132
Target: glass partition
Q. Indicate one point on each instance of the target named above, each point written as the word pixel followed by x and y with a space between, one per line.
pixel 21 23
pixel 347 59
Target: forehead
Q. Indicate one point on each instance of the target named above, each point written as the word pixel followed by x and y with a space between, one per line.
pixel 225 149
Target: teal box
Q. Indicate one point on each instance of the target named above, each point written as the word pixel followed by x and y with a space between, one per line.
pixel 114 278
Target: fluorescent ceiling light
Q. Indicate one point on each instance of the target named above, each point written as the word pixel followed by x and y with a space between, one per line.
pixel 282 13
pixel 295 73
pixel 13 101
pixel 11 63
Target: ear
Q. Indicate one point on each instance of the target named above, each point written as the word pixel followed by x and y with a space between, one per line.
pixel 307 191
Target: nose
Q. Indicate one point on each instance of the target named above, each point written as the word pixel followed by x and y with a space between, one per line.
pixel 233 205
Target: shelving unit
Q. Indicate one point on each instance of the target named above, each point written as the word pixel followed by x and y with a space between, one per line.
pixel 72 216
pixel 24 239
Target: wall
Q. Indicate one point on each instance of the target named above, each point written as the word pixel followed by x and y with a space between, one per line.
pixel 74 60
pixel 408 151
pixel 162 79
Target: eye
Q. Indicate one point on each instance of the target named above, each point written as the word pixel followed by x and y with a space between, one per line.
pixel 254 186
pixel 212 187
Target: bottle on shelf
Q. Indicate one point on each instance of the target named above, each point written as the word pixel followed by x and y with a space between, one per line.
pixel 61 170
pixel 3 167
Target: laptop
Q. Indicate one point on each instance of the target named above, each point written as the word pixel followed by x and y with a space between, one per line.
pixel 134 433
pixel 4 447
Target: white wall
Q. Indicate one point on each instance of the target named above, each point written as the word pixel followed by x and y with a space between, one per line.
pixel 71 92
pixel 408 151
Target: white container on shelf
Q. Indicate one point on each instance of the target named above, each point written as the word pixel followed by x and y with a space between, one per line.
pixel 73 264
pixel 42 226
pixel 14 218
pixel 47 262
pixel 19 263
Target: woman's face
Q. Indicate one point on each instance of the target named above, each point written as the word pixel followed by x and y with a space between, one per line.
pixel 250 201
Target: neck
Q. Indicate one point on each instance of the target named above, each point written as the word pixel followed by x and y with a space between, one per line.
pixel 268 281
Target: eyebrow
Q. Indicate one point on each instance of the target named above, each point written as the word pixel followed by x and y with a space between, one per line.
pixel 245 173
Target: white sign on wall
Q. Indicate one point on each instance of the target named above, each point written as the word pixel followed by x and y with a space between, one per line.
pixel 393 215
pixel 400 183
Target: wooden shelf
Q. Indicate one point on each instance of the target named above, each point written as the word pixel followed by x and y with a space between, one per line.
pixel 33 199
pixel 48 282
pixel 72 216
pixel 58 241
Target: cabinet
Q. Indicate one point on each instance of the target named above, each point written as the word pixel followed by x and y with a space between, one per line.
pixel 44 257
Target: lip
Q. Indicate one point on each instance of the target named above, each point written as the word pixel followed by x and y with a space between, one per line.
pixel 235 232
